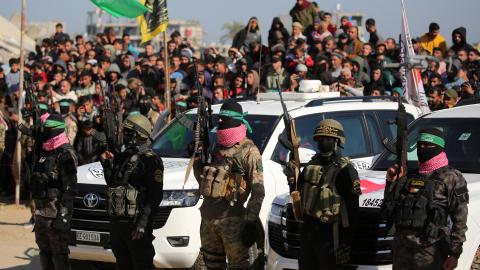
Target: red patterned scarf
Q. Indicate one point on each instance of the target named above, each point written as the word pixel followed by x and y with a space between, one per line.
pixel 44 117
pixel 230 136
pixel 433 164
pixel 55 142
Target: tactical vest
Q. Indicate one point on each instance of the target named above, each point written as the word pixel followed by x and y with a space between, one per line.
pixel 122 198
pixel 416 209
pixel 223 179
pixel 46 183
pixel 319 194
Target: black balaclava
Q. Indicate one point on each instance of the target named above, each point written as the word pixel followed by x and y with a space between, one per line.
pixel 433 137
pixel 228 122
pixel 326 147
pixel 64 107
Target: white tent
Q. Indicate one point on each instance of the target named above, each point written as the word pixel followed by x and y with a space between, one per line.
pixel 10 41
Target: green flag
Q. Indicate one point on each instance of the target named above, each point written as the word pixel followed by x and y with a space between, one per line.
pixel 121 8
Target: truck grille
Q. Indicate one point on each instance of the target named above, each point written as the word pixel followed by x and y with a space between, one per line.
pixel 96 218
pixel 371 245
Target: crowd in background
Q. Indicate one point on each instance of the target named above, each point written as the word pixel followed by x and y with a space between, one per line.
pixel 75 77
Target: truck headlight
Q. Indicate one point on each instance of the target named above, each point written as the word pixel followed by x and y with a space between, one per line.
pixel 180 198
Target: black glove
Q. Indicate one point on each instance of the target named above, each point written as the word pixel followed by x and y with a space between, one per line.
pixel 249 233
pixel 62 221
pixel 61 224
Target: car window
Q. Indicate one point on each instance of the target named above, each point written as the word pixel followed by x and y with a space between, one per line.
pixel 176 140
pixel 305 126
pixel 387 120
pixel 374 133
pixel 356 143
pixel 462 144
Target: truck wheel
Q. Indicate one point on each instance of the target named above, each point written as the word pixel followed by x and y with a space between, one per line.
pixel 199 263
pixel 476 260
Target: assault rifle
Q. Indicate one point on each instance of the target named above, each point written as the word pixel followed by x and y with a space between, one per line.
pixel 109 122
pixel 32 110
pixel 202 127
pixel 393 189
pixel 292 145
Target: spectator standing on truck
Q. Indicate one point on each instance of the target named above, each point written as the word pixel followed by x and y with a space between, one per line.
pixel 329 189
pixel 53 188
pixel 228 229
pixel 427 200
pixel 134 179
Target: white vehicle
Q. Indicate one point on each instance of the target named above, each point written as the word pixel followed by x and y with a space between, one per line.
pixel 177 223
pixel 372 245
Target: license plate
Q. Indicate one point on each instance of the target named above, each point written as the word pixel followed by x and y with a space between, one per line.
pixel 88 236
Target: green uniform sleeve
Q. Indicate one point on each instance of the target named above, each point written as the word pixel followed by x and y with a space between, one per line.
pixel 458 211
pixel 254 174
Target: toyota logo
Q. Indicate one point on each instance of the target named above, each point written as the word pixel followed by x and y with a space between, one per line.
pixel 91 200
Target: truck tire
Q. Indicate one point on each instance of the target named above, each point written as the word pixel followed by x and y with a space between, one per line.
pixel 476 260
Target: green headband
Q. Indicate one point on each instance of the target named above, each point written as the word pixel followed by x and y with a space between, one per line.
pixel 237 116
pixel 53 124
pixel 64 104
pixel 430 138
pixel 42 106
pixel 181 104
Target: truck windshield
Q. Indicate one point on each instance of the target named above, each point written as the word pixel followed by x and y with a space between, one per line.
pixel 462 144
pixel 177 139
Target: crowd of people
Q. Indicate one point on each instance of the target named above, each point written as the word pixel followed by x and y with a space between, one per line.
pixel 74 77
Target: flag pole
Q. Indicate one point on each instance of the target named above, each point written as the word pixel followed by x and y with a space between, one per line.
pixel 167 74
pixel 19 107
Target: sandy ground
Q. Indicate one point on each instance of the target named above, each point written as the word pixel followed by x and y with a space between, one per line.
pixel 18 250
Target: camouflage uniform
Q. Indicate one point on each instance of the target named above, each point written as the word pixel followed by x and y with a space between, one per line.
pixel 224 220
pixel 428 249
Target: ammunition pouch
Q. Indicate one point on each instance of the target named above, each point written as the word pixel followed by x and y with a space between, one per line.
pixel 218 182
pixel 416 209
pixel 319 196
pixel 122 201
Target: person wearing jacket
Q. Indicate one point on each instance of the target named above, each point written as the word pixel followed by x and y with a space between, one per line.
pixel 433 39
pixel 246 36
pixel 459 40
pixel 277 25
pixel 305 13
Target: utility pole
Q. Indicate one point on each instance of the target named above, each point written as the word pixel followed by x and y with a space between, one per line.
pixel 19 106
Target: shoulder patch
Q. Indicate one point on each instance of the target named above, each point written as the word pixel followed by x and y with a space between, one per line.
pixel 158 176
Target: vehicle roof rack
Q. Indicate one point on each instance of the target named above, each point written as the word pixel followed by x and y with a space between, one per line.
pixel 320 102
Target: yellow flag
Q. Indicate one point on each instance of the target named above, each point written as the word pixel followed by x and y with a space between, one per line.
pixel 153 22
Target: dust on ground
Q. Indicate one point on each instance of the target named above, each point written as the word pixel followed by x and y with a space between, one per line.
pixel 18 250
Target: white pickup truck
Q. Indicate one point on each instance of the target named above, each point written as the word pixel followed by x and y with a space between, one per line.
pixel 177 223
pixel 372 245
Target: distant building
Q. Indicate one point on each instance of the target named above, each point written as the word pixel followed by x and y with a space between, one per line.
pixel 99 21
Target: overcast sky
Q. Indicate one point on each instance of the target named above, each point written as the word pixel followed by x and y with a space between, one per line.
pixel 213 13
